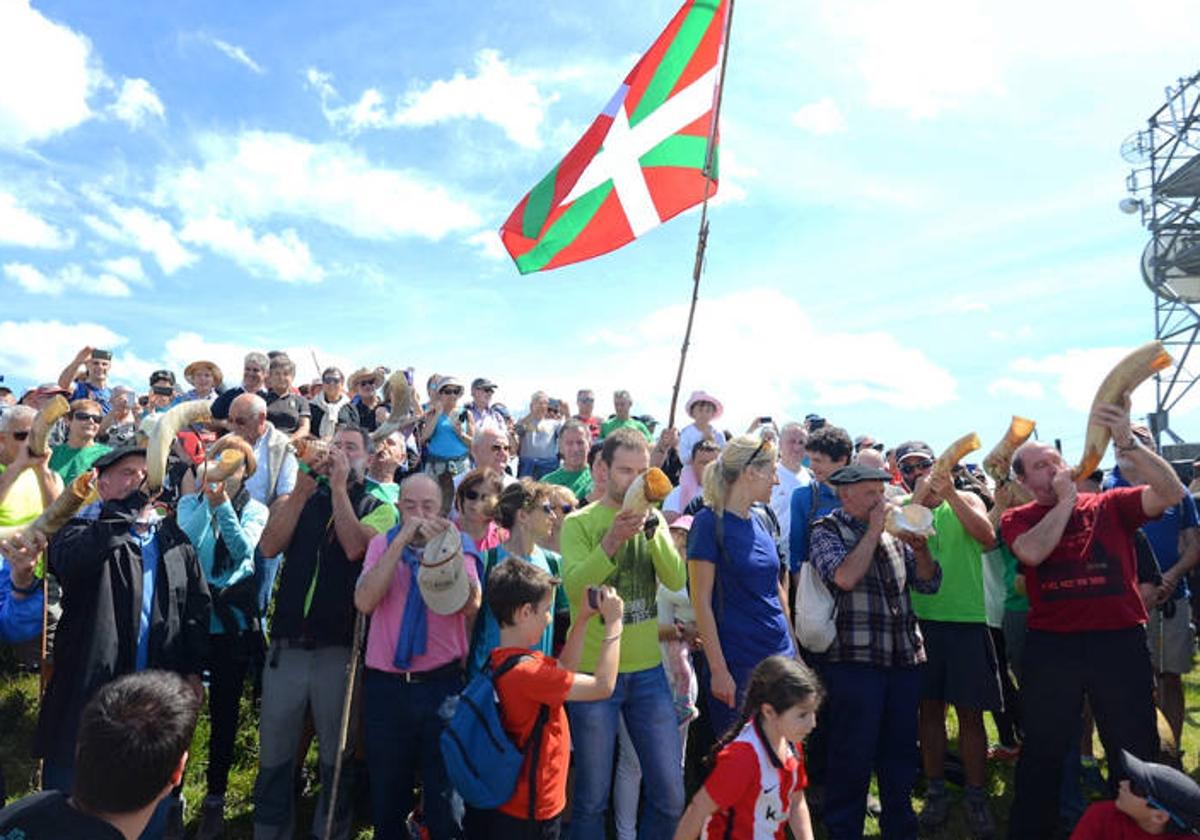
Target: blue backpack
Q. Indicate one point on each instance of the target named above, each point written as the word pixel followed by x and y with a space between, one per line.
pixel 482 761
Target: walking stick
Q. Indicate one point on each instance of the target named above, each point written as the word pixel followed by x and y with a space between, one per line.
pixel 360 625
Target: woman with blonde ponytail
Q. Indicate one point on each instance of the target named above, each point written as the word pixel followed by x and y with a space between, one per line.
pixel 734 568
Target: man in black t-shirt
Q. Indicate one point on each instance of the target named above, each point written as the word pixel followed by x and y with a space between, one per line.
pixel 287 410
pixel 133 743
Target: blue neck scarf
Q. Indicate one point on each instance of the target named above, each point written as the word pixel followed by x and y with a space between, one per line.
pixel 414 629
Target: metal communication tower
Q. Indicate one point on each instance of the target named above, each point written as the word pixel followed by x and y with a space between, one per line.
pixel 1165 184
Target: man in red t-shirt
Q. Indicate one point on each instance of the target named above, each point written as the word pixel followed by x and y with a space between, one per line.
pixel 1087 630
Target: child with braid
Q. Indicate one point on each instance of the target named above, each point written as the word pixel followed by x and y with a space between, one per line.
pixel 756 787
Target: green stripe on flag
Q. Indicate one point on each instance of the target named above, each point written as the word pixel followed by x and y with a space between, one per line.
pixel 563 232
pixel 685 150
pixel 539 205
pixel 676 59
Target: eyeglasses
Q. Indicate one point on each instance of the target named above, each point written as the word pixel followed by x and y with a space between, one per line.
pixel 20 435
pixel 331 380
pixel 370 383
pixel 86 415
pixel 499 447
pixel 910 467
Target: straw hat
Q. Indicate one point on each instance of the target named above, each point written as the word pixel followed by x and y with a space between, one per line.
pixel 218 377
pixel 361 375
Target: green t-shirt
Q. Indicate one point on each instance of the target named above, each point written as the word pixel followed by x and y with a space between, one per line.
pixel 960 597
pixel 386 492
pixel 578 482
pixel 69 462
pixel 635 572
pixel 1014 601
pixel 23 503
pixel 613 423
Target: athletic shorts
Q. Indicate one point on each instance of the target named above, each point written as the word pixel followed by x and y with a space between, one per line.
pixel 1172 641
pixel 960 665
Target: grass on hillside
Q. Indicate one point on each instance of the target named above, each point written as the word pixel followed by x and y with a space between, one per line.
pixel 18 705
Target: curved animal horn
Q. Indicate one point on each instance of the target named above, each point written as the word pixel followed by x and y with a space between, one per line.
pixel 955 452
pixel 1121 381
pixel 50 413
pixel 163 434
pixel 999 461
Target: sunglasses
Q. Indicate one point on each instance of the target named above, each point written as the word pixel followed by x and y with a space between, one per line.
pixel 475 495
pixel 878 447
pixel 567 508
pixel 451 392
pixel 86 415
pixel 586 399
pixel 547 508
pixel 370 383
pixel 487 390
pixel 757 451
pixel 499 447
pixel 331 380
pixel 20 435
pixel 910 467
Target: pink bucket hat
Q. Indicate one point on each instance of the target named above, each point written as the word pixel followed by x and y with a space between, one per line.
pixel 704 396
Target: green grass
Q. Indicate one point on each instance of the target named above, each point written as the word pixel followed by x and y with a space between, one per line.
pixel 18 714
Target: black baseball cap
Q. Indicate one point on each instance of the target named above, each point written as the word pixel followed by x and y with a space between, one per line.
pixel 162 374
pixel 913 447
pixel 854 473
pixel 482 382
pixel 1171 790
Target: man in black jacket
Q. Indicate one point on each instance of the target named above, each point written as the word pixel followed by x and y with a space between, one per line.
pixel 323 529
pixel 134 597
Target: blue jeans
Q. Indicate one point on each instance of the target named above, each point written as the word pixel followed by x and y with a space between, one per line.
pixel 62 777
pixel 870 716
pixel 644 700
pixel 265 570
pixel 403 724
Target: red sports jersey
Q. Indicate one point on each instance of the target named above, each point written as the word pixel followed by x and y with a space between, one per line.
pixel 752 788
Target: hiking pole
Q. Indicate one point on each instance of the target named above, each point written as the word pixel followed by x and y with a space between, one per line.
pixel 360 625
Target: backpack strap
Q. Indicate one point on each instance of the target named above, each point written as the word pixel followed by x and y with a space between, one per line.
pixel 535 737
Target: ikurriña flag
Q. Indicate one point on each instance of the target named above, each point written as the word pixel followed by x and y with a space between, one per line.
pixel 641 162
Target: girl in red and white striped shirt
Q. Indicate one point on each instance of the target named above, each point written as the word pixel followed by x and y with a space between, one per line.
pixel 757 783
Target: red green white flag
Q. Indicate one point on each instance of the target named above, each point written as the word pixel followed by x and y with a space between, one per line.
pixel 642 160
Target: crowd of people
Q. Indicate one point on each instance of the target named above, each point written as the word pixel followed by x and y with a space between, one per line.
pixel 734 660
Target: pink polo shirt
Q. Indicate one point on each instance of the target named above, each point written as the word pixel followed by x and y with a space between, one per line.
pixel 447 639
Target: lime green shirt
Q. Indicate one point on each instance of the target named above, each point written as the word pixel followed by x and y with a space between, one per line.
pixel 960 597
pixel 23 503
pixel 613 423
pixel 635 572
pixel 387 492
pixel 69 462
pixel 578 482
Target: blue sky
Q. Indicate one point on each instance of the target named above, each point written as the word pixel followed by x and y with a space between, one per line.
pixel 917 232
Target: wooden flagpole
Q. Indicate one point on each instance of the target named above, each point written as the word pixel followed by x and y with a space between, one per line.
pixel 702 238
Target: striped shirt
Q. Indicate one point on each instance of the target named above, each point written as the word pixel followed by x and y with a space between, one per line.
pixel 752 788
pixel 876 624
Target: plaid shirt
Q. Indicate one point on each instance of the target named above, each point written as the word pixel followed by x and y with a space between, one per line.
pixel 875 620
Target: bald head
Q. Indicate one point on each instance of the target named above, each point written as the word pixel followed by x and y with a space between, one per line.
pixel 248 416
pixel 871 458
pixel 420 497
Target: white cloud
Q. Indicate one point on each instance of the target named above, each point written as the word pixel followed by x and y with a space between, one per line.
pixel 1024 389
pixel 237 54
pixel 37 350
pixel 860 367
pixel 822 117
pixel 47 74
pixel 495 94
pixel 1077 373
pixel 70 277
pixel 22 227
pixel 128 267
pixel 283 255
pixel 140 229
pixel 489 244
pixel 259 175
pixel 136 102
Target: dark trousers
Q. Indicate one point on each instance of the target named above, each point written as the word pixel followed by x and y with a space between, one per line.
pixel 1112 667
pixel 871 720
pixel 403 724
pixel 1008 720
pixel 229 661
pixel 503 827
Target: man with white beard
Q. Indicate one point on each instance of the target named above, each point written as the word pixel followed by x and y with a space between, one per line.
pixel 323 529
